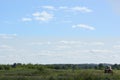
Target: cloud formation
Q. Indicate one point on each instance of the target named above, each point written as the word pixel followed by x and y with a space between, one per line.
pixel 66 8
pixel 81 9
pixel 42 16
pixel 100 51
pixel 8 36
pixel 49 7
pixel 6 48
pixel 26 19
pixel 116 46
pixel 60 49
pixel 45 15
pixel 41 43
pixel 83 26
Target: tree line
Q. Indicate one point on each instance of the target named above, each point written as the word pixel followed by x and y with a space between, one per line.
pixel 58 66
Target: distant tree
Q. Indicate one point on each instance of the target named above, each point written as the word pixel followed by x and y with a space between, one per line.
pixel 41 68
pixel 7 67
pixel 116 66
pixel 14 65
pixel 1 67
pixel 96 67
pixel 30 66
pixel 100 66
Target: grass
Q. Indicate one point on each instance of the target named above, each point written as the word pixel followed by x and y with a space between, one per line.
pixel 52 74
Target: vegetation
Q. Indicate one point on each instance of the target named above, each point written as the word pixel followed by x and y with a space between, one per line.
pixel 18 71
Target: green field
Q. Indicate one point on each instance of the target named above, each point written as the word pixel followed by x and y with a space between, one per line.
pixel 53 74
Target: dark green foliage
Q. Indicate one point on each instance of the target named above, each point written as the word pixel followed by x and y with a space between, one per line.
pixel 5 67
pixel 40 68
pixel 51 74
pixel 58 66
pixel 116 66
pixel 14 65
pixel 100 66
pixel 19 71
pixel 1 67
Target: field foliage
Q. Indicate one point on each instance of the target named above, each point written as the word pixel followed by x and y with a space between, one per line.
pixel 50 72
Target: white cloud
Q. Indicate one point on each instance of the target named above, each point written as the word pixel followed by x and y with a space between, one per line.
pixel 72 50
pixel 46 16
pixel 36 14
pixel 7 36
pixel 63 47
pixel 6 47
pixel 63 7
pixel 96 43
pixel 36 43
pixel 100 51
pixel 81 9
pixel 66 8
pixel 42 16
pixel 116 46
pixel 84 26
pixel 49 7
pixel 26 19
pixel 70 42
pixel 41 43
pixel 76 9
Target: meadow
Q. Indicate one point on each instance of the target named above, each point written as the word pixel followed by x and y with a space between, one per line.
pixel 52 74
pixel 18 71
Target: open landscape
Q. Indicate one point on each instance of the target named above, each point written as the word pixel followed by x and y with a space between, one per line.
pixel 59 39
pixel 58 72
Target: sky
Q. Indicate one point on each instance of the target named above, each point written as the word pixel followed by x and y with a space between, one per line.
pixel 59 31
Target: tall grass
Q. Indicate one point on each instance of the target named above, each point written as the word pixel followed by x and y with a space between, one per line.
pixel 52 74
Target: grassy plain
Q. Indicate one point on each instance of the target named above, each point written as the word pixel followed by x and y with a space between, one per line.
pixel 53 74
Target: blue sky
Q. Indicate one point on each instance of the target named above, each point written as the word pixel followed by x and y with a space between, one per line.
pixel 52 31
